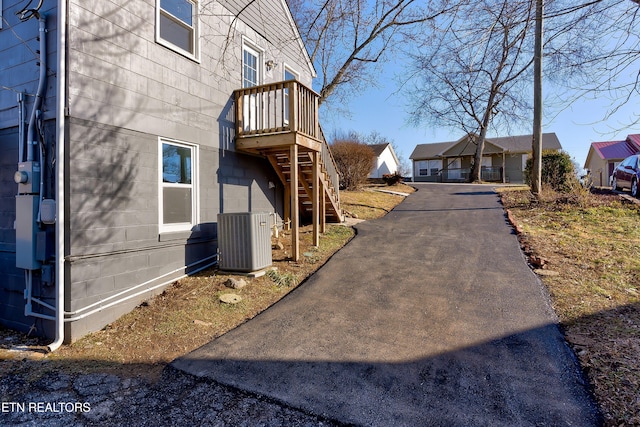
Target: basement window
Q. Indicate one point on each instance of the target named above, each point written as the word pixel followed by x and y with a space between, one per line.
pixel 178 191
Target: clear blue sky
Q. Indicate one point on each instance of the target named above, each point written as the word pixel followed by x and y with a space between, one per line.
pixel 380 109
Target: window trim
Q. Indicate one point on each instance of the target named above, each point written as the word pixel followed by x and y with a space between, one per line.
pixel 195 55
pixel 195 194
pixel 259 53
pixel 296 76
pixel 287 69
pixel 428 168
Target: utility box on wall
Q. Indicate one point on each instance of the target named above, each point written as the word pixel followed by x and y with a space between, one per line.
pixel 26 231
pixel 244 241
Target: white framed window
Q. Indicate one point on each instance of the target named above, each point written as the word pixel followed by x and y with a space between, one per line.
pixel 252 76
pixel 177 26
pixel 429 167
pixel 251 66
pixel 178 192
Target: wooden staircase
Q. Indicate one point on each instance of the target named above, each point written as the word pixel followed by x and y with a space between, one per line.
pixel 279 121
pixel 330 198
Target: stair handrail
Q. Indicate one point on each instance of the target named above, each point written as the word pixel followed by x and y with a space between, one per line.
pixel 330 165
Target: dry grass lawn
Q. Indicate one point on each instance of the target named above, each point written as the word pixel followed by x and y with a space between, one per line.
pixel 593 242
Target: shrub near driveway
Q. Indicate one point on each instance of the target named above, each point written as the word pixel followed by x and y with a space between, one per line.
pixel 595 248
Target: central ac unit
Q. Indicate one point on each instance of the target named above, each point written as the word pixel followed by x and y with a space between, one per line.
pixel 244 241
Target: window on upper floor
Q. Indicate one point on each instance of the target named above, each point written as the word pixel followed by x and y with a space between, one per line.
pixel 177 25
pixel 251 70
pixel 178 204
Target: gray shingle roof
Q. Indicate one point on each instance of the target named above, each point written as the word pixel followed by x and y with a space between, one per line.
pixel 378 148
pixel 510 144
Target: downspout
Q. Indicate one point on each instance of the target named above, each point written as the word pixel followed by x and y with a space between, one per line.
pixel 61 97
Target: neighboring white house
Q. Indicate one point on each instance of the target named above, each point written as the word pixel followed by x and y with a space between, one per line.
pixel 386 163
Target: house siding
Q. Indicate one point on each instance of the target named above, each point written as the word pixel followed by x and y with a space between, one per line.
pixel 18 47
pixel 600 171
pixel 271 18
pixel 513 168
pixel 125 91
pixel 19 56
pixel 385 164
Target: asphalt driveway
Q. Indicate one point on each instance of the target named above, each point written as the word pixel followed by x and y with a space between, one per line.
pixel 430 316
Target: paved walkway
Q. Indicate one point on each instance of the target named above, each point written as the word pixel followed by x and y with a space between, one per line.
pixel 430 316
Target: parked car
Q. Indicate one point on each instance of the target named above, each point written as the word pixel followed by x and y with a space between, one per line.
pixel 627 175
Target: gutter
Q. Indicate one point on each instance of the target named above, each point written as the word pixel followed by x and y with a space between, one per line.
pixel 61 91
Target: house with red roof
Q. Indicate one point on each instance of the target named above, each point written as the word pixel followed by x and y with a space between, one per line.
pixel 604 156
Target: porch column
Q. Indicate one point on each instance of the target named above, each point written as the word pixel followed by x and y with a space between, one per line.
pixel 315 203
pixel 295 214
pixel 504 169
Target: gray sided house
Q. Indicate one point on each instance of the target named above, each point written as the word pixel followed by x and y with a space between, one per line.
pixel 504 159
pixel 126 127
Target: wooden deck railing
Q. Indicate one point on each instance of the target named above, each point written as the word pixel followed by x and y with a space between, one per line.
pixel 330 166
pixel 277 108
pixel 283 108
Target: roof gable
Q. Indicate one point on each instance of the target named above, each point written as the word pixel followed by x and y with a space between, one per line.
pixel 464 146
pixel 378 149
pixel 467 147
pixel 634 140
pixel 272 16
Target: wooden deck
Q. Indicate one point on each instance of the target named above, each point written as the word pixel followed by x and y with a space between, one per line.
pixel 279 121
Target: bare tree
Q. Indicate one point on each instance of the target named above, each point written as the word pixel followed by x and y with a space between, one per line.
pixel 594 49
pixel 472 74
pixel 346 39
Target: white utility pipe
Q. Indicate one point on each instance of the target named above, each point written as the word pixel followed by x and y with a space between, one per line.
pixel 112 303
pixel 126 291
pixel 61 98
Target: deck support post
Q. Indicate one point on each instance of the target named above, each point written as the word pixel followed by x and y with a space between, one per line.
pixel 294 210
pixel 323 207
pixel 315 203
